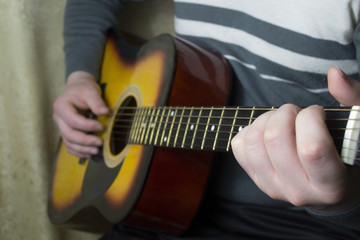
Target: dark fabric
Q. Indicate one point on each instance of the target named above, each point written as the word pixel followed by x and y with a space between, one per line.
pixel 85 29
pixel 221 219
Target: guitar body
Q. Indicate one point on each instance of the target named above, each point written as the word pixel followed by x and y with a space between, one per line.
pixel 142 186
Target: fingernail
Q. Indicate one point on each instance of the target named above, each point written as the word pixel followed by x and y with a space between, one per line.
pixel 94 151
pixel 104 109
pixel 341 72
pixel 99 127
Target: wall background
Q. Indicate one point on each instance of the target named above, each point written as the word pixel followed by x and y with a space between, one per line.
pixel 31 77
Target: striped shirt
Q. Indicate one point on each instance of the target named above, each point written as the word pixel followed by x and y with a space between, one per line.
pixel 276 47
pixel 280 52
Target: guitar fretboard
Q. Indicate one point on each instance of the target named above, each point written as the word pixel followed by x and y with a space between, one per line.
pixel 200 128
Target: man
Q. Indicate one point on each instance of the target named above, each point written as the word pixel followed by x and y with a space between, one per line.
pixel 280 52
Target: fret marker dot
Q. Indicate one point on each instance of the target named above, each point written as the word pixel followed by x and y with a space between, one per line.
pixel 240 128
pixel 172 113
pixel 143 125
pixel 192 127
pixel 152 125
pixel 212 128
pixel 165 139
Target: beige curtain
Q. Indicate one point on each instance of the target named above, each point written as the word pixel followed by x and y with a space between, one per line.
pixel 31 77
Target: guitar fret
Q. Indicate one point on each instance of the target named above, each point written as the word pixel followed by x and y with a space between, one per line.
pixel 133 128
pixel 154 125
pixel 251 116
pixel 232 129
pixel 206 129
pixel 218 128
pixel 163 139
pixel 172 132
pixel 187 128
pixel 179 125
pixel 138 130
pixel 225 123
pixel 196 127
pixel 212 129
pixel 173 115
pixel 149 125
pixel 138 135
pixel 144 125
pixel 159 126
pixel 190 135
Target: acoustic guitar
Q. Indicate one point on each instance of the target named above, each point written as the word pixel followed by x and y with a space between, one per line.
pixel 168 120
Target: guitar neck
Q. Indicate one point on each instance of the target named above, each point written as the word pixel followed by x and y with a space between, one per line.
pixel 197 128
pixel 202 128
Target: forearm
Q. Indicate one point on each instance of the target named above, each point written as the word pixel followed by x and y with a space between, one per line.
pixel 86 23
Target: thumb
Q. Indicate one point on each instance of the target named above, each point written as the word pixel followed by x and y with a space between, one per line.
pixel 87 92
pixel 96 104
pixel 345 89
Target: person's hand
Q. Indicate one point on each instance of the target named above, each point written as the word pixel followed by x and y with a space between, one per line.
pixel 82 93
pixel 291 156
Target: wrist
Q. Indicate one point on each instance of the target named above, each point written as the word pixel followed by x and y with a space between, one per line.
pixel 80 76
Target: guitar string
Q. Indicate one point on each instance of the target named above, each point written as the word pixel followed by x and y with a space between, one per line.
pixel 119 123
pixel 220 146
pixel 148 113
pixel 164 125
pixel 124 135
pixel 212 118
pixel 126 129
pixel 148 116
pixel 238 110
pixel 345 109
pixel 197 145
pixel 198 136
pixel 134 112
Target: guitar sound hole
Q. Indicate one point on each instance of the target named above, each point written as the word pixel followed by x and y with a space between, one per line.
pixel 122 125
